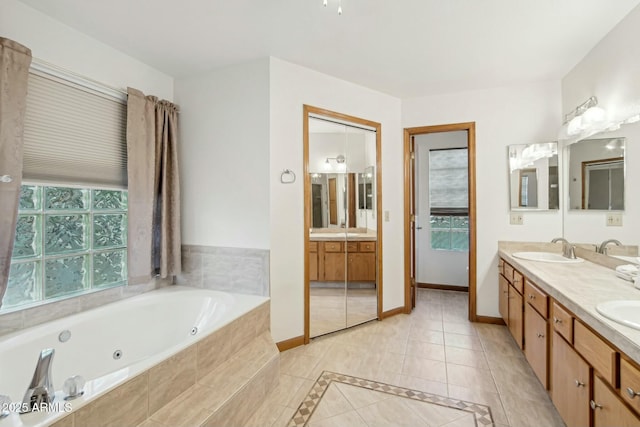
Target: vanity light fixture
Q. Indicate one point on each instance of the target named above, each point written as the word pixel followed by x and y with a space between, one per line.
pixel 586 116
pixel 326 2
pixel 340 163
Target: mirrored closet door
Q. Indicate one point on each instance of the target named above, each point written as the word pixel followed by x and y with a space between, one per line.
pixel 342 216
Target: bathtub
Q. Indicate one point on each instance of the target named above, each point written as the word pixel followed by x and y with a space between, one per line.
pixel 113 343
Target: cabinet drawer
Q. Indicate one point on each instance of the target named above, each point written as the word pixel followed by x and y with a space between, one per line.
pixel 518 281
pixel 595 351
pixel 562 322
pixel 536 298
pixel 508 272
pixel 630 384
pixel 332 246
pixel 352 247
pixel 367 246
pixel 313 246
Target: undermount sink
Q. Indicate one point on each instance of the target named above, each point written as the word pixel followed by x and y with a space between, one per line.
pixel 546 257
pixel 625 312
pixel 336 235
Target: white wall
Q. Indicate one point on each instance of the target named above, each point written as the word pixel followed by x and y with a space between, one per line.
pixel 610 72
pixel 291 87
pixel 503 116
pixel 436 266
pixel 60 45
pixel 224 156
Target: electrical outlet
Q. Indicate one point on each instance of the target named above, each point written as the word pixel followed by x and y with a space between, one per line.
pixel 516 218
pixel 614 220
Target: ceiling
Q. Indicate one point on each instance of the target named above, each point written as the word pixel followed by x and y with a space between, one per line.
pixel 405 48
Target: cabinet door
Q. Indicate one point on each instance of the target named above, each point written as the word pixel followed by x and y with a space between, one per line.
pixel 362 267
pixel 503 298
pixel 334 266
pixel 313 266
pixel 537 342
pixel 515 315
pixel 569 383
pixel 608 409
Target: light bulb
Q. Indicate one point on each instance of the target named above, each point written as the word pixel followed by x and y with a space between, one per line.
pixel 593 115
pixel 339 10
pixel 575 126
pixel 633 119
pixel 324 3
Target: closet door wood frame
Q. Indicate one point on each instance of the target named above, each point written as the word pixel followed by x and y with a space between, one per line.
pixel 307 110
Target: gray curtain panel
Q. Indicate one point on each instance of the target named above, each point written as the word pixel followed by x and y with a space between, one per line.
pixel 154 188
pixel 15 60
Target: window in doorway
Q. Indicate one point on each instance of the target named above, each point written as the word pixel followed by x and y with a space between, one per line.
pixel 449 199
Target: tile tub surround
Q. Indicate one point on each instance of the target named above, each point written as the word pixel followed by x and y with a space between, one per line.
pixel 579 287
pixel 238 270
pixel 22 319
pixel 222 377
pixel 367 393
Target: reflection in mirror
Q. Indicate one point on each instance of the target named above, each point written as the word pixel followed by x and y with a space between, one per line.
pixel 596 174
pixel 533 176
pixel 342 262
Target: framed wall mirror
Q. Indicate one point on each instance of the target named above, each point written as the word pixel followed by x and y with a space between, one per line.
pixel 597 174
pixel 343 287
pixel 533 176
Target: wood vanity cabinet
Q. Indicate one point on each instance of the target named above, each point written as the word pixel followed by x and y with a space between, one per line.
pixel 592 384
pixel 570 383
pixel 510 300
pixel 516 316
pixel 332 266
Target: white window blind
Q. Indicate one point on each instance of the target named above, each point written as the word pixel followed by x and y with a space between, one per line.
pixel 448 178
pixel 73 134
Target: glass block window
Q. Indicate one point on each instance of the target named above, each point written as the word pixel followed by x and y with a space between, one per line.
pixel 448 199
pixel 68 241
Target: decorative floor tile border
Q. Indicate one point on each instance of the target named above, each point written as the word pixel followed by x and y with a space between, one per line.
pixel 481 413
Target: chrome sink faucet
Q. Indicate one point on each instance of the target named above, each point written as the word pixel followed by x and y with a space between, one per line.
pixel 568 250
pixel 602 249
pixel 40 390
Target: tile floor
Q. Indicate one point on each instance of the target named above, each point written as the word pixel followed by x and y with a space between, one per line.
pixel 435 349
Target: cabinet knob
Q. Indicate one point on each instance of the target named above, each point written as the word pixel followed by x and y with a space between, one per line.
pixel 531 296
pixel 556 320
pixel 540 335
pixel 579 384
pixel 594 405
pixel 632 393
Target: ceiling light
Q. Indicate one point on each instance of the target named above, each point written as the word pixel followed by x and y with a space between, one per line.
pixel 326 2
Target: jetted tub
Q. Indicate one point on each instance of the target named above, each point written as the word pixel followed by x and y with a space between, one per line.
pixel 113 343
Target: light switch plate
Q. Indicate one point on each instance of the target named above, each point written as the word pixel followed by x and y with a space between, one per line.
pixel 516 218
pixel 614 219
pixel 386 216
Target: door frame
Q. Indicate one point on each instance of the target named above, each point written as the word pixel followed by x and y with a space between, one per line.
pixel 470 127
pixel 306 111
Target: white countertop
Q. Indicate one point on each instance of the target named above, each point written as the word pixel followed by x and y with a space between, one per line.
pixel 579 287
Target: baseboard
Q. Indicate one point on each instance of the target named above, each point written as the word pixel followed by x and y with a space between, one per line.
pixel 490 319
pixel 443 287
pixel 392 312
pixel 290 343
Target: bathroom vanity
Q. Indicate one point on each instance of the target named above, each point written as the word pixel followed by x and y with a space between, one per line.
pixel 327 259
pixel 589 364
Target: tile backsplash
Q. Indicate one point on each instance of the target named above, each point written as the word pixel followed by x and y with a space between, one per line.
pixel 240 270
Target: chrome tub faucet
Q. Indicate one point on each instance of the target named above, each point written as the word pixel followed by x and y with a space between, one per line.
pixel 41 389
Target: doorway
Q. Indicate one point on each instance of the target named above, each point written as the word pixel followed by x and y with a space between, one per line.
pixel 443 226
